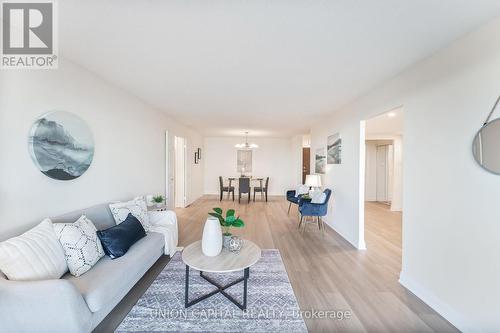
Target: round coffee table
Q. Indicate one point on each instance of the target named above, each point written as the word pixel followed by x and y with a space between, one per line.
pixel 225 262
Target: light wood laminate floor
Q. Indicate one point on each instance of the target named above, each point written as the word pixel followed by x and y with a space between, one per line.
pixel 326 272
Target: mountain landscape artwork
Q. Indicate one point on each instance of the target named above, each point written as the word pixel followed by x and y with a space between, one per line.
pixel 334 149
pixel 61 145
pixel 320 161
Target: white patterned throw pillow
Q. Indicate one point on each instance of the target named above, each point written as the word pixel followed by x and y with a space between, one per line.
pixel 301 189
pixel 35 255
pixel 82 247
pixel 136 207
pixel 318 197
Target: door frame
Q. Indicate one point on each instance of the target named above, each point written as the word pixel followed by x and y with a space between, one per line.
pixel 183 202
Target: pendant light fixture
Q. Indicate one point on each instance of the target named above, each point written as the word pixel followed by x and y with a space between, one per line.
pixel 246 145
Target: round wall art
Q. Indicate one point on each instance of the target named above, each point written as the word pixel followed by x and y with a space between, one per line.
pixel 61 145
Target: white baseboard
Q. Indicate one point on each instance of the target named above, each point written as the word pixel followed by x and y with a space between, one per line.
pixel 360 245
pixel 434 302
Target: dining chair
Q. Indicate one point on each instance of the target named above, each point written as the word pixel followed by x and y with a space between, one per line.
pixel 244 188
pixel 316 210
pixel 292 198
pixel 229 189
pixel 262 190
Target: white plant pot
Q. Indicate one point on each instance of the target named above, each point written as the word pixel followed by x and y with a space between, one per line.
pixel 211 242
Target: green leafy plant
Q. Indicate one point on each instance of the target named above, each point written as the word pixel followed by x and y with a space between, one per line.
pixel 229 221
pixel 158 199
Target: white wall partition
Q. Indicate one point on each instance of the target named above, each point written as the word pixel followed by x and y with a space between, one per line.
pixel 451 229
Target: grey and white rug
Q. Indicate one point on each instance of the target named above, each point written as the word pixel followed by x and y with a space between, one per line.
pixel 271 303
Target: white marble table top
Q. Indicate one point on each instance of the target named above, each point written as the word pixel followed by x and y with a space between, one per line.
pixel 225 262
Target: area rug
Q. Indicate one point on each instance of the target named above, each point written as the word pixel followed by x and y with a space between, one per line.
pixel 271 303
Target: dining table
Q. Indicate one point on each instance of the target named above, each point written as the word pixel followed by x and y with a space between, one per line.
pixel 252 179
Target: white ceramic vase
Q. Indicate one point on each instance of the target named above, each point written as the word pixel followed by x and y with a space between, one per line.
pixel 211 242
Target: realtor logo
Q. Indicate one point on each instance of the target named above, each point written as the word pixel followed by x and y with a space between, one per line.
pixel 28 35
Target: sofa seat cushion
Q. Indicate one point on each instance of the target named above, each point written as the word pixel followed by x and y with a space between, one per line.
pixel 111 278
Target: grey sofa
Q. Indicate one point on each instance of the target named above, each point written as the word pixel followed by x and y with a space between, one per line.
pixel 73 304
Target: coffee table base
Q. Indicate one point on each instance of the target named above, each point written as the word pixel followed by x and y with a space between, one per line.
pixel 220 289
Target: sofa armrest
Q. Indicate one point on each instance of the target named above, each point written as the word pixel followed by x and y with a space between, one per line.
pixel 42 306
pixel 161 218
pixel 165 222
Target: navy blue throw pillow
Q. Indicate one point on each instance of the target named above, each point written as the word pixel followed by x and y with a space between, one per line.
pixel 118 239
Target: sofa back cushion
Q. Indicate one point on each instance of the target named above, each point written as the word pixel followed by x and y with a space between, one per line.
pixel 34 255
pixel 100 215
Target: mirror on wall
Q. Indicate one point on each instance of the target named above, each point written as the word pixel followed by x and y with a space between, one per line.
pixel 486 147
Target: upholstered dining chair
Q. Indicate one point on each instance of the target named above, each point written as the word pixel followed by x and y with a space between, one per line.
pixel 243 188
pixel 229 189
pixel 315 210
pixel 262 190
pixel 292 198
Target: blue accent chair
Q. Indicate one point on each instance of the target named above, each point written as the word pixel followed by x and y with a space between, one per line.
pixel 290 197
pixel 318 210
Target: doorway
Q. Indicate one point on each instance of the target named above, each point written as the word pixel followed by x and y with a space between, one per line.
pixel 381 183
pixel 180 172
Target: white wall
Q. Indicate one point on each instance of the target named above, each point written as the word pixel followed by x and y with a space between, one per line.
pixel 129 140
pixel 297 165
pixel 273 158
pixel 451 228
pixel 371 171
pixel 397 176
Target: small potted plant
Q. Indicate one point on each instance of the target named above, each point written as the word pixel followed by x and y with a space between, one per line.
pixel 227 222
pixel 158 200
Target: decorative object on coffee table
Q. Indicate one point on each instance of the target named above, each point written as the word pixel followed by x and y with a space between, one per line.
pixel 211 243
pixel 226 223
pixel 235 244
pixel 225 262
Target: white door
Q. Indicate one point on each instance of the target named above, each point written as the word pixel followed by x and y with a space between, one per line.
pixel 180 172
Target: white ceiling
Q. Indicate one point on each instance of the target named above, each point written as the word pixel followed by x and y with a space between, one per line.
pixel 385 125
pixel 270 67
